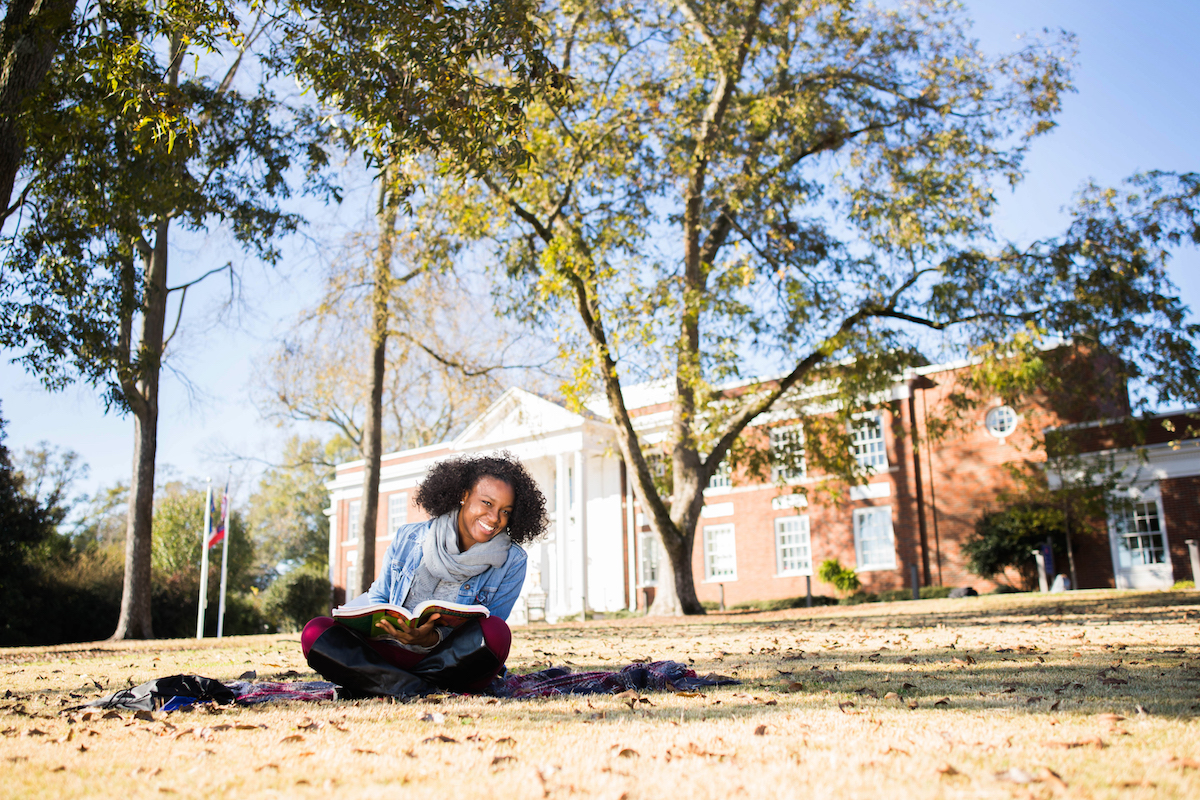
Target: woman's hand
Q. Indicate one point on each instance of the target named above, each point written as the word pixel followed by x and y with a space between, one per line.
pixel 424 636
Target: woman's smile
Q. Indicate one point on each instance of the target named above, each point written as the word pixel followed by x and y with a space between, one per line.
pixel 485 511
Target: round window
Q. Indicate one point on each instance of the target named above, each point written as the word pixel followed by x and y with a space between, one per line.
pixel 1001 421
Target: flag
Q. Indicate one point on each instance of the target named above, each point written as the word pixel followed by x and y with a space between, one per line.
pixel 217 519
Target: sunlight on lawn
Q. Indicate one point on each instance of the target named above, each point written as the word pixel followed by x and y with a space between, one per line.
pixel 1093 694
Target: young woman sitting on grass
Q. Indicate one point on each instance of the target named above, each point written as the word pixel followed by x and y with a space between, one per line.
pixel 482 508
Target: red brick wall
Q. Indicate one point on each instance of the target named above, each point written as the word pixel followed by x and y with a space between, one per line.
pixel 415 514
pixel 1181 507
pixel 962 474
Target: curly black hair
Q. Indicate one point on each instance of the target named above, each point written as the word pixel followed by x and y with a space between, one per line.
pixel 445 484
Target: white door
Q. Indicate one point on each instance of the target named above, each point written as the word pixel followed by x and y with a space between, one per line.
pixel 1139 545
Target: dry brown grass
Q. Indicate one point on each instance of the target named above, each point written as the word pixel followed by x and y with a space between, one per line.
pixel 1091 695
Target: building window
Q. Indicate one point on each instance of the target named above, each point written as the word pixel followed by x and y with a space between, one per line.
pixel 1001 421
pixel 793 550
pixel 721 478
pixel 1139 536
pixel 649 559
pixel 720 555
pixel 351 574
pixel 873 543
pixel 868 446
pixel 787 453
pixel 353 513
pixel 397 512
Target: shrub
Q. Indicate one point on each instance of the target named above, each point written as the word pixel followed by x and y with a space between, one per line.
pixel 1005 538
pixel 296 597
pixel 785 603
pixel 1004 588
pixel 843 579
pixel 895 595
pixel 1179 585
pixel 934 592
pixel 858 598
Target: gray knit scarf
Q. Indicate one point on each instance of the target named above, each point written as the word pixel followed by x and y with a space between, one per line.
pixel 441 557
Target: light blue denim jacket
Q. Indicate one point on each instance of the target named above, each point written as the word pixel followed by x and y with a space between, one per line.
pixel 496 588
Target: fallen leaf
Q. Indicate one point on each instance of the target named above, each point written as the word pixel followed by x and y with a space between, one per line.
pixel 1183 763
pixel 507 740
pixel 913 704
pixel 441 737
pixel 687 694
pixel 1047 775
pixel 1014 775
pixel 948 770
pixel 364 751
pixel 436 717
pixel 891 696
pixel 1090 741
pixel 761 730
pixel 498 760
pixel 628 752
pixel 295 737
pixel 945 701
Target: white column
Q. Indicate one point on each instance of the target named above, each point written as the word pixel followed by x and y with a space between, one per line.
pixel 563 501
pixel 633 537
pixel 581 483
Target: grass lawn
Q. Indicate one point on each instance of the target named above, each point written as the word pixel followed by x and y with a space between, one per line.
pixel 1091 695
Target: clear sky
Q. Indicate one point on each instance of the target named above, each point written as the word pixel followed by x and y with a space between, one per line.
pixel 1137 108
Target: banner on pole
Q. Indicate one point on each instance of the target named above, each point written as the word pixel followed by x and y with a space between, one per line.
pixel 218 516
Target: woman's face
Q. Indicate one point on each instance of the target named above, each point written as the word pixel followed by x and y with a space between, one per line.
pixel 485 511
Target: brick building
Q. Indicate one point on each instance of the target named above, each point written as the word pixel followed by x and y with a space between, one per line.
pixel 1158 461
pixel 759 538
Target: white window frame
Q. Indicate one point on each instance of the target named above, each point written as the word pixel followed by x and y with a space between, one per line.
pixel 353 516
pixel 648 559
pixel 397 512
pixel 888 543
pixel 779 436
pixel 994 414
pixel 720 545
pixel 722 479
pixel 804 544
pixel 1141 508
pixel 871 454
pixel 351 574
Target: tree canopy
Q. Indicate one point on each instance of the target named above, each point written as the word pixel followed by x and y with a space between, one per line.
pixel 796 190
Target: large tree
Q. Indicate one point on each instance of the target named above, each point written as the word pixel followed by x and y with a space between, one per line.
pixel 779 187
pixel 86 286
pixel 405 79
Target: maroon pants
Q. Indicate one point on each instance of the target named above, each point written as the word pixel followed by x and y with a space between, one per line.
pixel 496 637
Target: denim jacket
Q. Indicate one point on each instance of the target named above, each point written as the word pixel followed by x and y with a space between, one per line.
pixel 497 588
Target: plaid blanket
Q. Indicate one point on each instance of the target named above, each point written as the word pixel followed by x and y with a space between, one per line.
pixel 180 692
pixel 655 676
pixel 249 694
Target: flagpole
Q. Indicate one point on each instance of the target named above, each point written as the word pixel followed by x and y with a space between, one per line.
pixel 204 561
pixel 225 504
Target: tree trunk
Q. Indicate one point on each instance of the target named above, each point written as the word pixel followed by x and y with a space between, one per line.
pixel 373 430
pixel 142 396
pixel 30 37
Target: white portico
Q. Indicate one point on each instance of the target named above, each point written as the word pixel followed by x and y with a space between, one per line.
pixel 581 563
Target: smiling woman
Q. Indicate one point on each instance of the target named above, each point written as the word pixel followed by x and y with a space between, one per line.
pixel 480 507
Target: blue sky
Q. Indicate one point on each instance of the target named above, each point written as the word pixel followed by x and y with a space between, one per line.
pixel 1137 108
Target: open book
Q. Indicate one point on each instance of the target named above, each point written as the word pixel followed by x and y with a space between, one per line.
pixel 365 619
